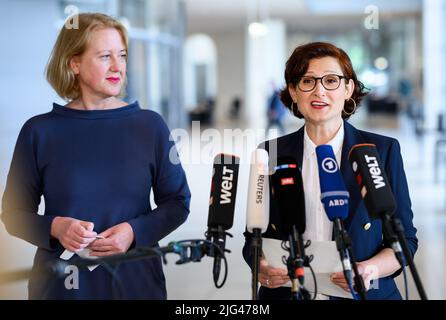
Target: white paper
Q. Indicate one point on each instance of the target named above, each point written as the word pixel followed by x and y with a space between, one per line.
pixel 84 253
pixel 325 261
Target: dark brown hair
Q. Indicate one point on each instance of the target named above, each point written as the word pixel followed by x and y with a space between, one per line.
pixel 297 66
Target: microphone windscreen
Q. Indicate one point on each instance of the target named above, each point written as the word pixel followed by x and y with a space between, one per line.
pixel 257 212
pixel 288 193
pixel 334 194
pixel 372 180
pixel 223 191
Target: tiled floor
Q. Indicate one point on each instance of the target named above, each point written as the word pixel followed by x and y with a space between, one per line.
pixel 194 280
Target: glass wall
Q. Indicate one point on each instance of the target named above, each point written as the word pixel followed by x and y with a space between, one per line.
pixel 156 34
pixel 386 59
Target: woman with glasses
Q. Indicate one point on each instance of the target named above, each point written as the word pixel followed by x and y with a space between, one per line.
pixel 95 161
pixel 323 89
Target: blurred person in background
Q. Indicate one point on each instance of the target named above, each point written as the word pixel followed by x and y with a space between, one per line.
pixel 275 110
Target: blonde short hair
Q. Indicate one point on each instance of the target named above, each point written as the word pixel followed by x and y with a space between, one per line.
pixel 72 42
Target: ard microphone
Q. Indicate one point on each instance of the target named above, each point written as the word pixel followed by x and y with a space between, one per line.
pixel 289 197
pixel 335 199
pixel 334 195
pixel 221 206
pixel 257 212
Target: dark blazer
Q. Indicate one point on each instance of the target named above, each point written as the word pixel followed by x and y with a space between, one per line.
pixel 365 243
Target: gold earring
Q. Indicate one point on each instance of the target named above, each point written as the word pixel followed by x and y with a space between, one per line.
pixel 354 109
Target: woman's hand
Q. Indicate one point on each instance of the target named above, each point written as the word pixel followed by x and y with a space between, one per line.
pixel 272 277
pixel 381 265
pixel 117 240
pixel 73 234
pixel 365 272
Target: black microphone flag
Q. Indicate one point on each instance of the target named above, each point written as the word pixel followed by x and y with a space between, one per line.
pixel 372 181
pixel 221 207
pixel 223 191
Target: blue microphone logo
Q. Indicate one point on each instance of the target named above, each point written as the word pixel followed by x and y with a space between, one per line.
pixel 334 195
pixel 329 165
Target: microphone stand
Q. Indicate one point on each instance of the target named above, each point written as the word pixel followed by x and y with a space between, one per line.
pixel 256 247
pixel 12 276
pixel 188 250
pixel 344 246
pixel 295 265
pixel 132 255
pixel 217 236
pixel 393 226
pixel 58 267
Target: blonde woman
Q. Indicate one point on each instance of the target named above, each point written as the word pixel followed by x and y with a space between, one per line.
pixel 95 161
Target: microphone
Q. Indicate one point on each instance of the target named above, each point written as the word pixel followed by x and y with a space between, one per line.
pixel 221 207
pixel 380 203
pixel 372 181
pixel 289 195
pixel 335 199
pixel 257 212
pixel 376 191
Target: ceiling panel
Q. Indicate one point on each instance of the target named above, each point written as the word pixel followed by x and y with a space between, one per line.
pixel 227 15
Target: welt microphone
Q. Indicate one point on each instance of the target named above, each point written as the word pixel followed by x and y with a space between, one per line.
pixel 335 199
pixel 380 203
pixel 373 184
pixel 257 212
pixel 288 192
pixel 375 190
pixel 222 205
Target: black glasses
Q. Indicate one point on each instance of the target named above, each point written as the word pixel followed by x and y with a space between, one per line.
pixel 329 82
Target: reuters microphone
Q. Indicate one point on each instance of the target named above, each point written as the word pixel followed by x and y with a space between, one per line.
pixel 221 206
pixel 257 212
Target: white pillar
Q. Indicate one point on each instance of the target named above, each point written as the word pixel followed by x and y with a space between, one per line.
pixel 434 60
pixel 265 62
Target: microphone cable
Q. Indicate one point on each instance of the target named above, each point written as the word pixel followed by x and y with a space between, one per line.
pixel 406 288
pixel 222 256
pixel 194 249
pixel 306 263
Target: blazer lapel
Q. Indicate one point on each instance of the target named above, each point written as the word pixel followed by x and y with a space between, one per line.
pixel 351 138
pixel 300 147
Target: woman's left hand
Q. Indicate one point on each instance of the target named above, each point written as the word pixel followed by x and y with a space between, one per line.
pixel 117 239
pixel 339 279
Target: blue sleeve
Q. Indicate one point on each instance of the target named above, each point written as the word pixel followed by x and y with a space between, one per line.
pixel 398 182
pixel 246 251
pixel 21 199
pixel 171 194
